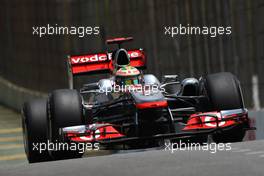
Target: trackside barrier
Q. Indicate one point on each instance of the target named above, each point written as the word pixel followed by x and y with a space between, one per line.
pixel 14 96
pixel 257 120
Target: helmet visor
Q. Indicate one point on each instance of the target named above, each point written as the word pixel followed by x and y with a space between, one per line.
pixel 128 80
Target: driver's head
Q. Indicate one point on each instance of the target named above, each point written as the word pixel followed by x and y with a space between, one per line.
pixel 127 75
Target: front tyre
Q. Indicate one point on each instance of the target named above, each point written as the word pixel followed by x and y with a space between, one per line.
pixel 224 93
pixel 34 124
pixel 65 109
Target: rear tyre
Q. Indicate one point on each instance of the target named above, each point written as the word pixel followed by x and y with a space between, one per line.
pixel 65 109
pixel 34 124
pixel 224 93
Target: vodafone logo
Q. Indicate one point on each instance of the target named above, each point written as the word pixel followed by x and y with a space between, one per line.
pixel 86 138
pixel 89 138
pixel 89 58
pixel 97 132
pixel 100 57
pixel 134 54
pixel 209 122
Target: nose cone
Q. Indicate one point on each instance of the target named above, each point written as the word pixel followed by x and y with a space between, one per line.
pixel 147 96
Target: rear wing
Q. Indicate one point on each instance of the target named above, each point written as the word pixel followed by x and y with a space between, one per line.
pixel 91 64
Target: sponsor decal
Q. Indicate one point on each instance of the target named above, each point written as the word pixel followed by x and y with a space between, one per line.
pixel 101 57
pixel 210 122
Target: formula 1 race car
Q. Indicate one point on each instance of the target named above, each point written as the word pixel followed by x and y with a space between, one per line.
pixel 132 109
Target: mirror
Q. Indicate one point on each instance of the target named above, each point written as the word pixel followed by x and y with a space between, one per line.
pixel 169 78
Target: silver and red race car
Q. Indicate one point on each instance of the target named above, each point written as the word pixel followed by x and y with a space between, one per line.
pixel 133 109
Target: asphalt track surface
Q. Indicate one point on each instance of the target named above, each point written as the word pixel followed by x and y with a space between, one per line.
pixel 245 158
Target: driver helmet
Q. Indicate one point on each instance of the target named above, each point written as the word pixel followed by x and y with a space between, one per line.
pixel 127 75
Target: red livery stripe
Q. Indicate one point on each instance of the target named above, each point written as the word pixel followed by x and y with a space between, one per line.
pixel 155 104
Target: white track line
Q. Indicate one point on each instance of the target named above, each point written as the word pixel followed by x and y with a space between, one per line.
pixel 242 150
pixel 254 152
